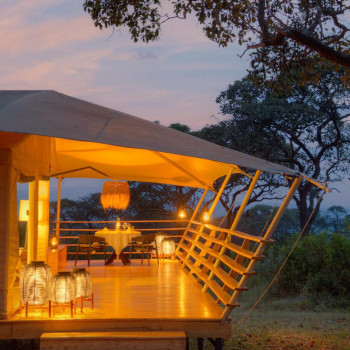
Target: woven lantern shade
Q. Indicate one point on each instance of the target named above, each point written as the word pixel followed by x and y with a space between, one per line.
pixel 168 246
pixel 159 239
pixel 84 282
pixel 63 288
pixel 115 195
pixel 35 283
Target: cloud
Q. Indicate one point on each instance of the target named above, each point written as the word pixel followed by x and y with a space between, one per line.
pixel 133 56
pixel 19 37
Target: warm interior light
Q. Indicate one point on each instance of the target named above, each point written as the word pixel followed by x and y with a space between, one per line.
pixel 182 213
pixel 115 195
pixel 117 225
pixel 63 288
pixel 84 282
pixel 168 246
pixel 206 216
pixel 35 283
pixel 159 239
pixel 24 210
pixel 54 241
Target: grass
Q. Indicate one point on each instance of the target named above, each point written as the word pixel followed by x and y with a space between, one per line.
pixel 285 324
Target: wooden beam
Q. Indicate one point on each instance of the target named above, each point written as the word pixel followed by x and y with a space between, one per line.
pixel 193 215
pixel 227 311
pixel 236 221
pixel 58 208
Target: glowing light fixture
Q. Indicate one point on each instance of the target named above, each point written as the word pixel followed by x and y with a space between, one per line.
pixel 84 286
pixel 54 241
pixel 159 239
pixel 84 282
pixel 35 281
pixel 206 216
pixel 63 288
pixel 182 213
pixel 168 246
pixel 115 194
pixel 24 210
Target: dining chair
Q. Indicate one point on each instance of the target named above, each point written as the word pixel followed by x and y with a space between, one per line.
pixel 144 244
pixel 90 244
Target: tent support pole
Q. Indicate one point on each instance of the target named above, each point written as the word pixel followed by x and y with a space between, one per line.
pixel 245 200
pixel 193 216
pixel 161 155
pixel 211 210
pixel 79 169
pixel 221 190
pixel 277 218
pixel 58 209
pixel 33 219
pixel 236 221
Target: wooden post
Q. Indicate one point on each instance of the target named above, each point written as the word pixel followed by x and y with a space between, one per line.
pixel 227 311
pixel 192 217
pixel 218 195
pixel 33 219
pixel 58 209
pixel 245 200
pixel 236 221
pixel 211 210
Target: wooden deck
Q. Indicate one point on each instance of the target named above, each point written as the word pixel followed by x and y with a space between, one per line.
pixel 136 297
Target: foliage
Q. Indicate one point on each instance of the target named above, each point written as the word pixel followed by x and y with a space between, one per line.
pixel 318 266
pixel 307 131
pixel 148 201
pixel 288 37
pixel 256 220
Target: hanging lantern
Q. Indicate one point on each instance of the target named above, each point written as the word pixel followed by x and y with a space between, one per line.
pixel 63 288
pixel 182 213
pixel 168 246
pixel 115 195
pixel 84 282
pixel 159 239
pixel 54 241
pixel 35 283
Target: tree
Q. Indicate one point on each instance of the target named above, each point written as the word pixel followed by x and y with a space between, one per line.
pixel 288 36
pixel 307 131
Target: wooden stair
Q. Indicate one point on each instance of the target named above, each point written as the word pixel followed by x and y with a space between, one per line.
pixel 130 340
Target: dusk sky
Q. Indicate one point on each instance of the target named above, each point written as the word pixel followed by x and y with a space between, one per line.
pixel 54 45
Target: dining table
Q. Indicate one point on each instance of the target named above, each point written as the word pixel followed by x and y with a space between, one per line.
pixel 118 239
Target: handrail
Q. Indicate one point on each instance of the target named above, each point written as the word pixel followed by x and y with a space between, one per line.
pixel 171 232
pixel 114 221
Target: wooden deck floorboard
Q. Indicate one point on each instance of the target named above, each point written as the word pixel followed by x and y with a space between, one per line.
pixel 139 296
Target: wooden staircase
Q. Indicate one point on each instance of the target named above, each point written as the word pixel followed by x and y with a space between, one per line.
pixel 128 340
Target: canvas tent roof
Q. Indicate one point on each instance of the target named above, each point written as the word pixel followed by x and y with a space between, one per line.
pixel 117 144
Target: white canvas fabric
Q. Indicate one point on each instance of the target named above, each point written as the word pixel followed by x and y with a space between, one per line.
pixel 152 152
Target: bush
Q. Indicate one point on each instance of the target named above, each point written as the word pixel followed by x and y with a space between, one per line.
pixel 319 266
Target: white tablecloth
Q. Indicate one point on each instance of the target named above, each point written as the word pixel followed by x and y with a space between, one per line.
pixel 118 239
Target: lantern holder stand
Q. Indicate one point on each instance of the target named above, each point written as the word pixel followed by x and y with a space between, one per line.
pixel 28 307
pixel 53 306
pixel 81 300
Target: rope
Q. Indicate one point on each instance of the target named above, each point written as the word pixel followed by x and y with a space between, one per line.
pixel 281 267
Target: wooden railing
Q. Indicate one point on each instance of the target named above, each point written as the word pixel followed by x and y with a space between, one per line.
pixel 68 232
pixel 218 258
